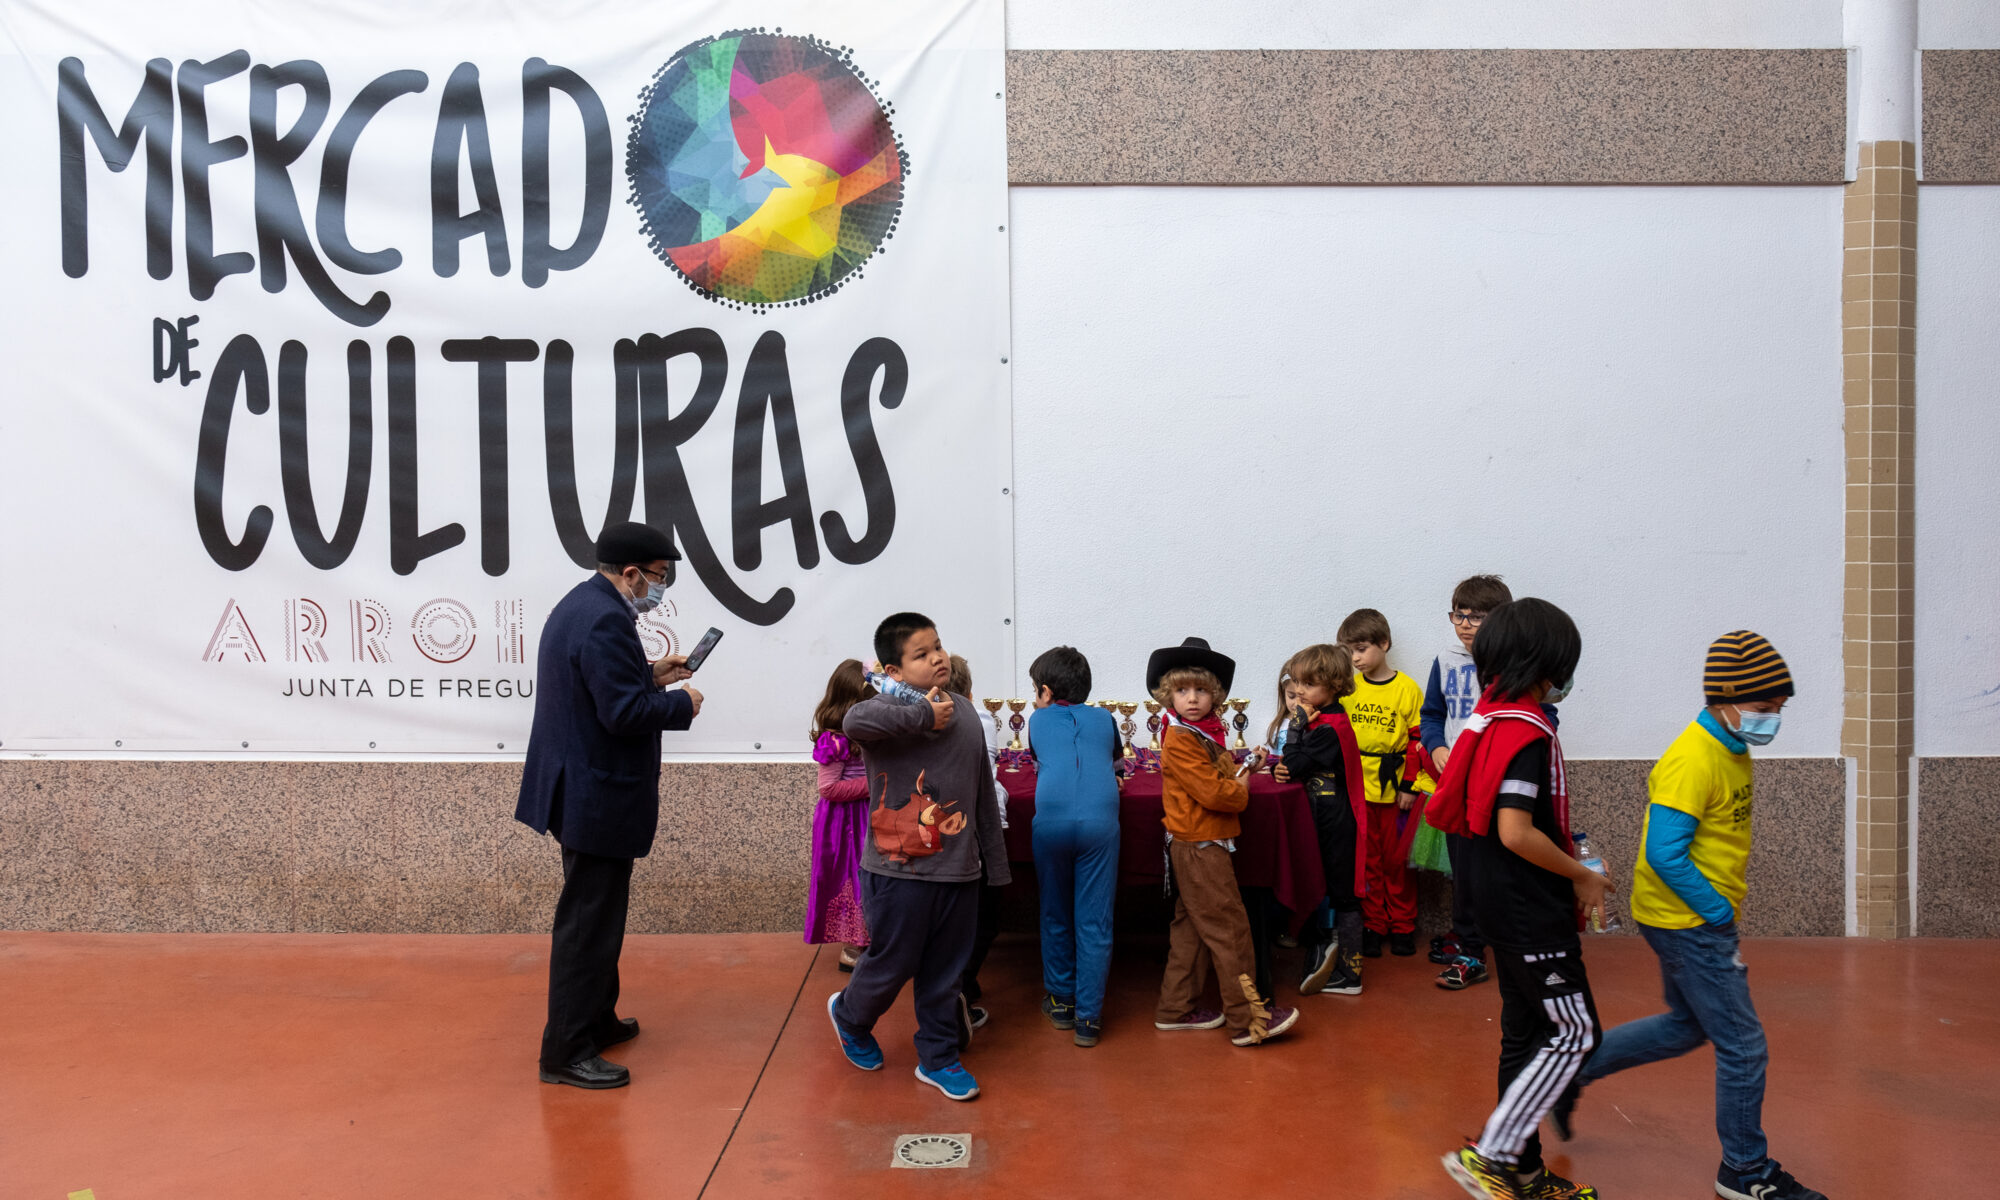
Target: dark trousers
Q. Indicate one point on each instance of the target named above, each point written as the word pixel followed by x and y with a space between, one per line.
pixel 919 931
pixel 1548 1028
pixel 583 957
pixel 1333 821
pixel 986 930
pixel 1463 927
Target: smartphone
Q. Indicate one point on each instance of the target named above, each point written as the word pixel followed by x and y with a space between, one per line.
pixel 699 654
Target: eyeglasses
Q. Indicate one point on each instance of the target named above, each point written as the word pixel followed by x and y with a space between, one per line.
pixel 666 578
pixel 1471 620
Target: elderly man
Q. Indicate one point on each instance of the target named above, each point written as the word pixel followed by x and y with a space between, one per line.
pixel 593 780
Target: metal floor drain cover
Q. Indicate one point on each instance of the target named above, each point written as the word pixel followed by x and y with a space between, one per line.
pixel 932 1150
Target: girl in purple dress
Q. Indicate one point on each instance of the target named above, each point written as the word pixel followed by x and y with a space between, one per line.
pixel 840 821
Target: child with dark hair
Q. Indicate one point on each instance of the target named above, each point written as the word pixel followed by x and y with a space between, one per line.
pixel 1201 793
pixel 1449 695
pixel 1686 892
pixel 1076 751
pixel 1506 792
pixel 1385 706
pixel 840 820
pixel 1322 755
pixel 933 830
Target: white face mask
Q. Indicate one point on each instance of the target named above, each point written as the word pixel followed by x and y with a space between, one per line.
pixel 1558 694
pixel 1757 728
pixel 655 593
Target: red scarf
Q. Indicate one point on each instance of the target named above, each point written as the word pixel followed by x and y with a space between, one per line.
pixel 1209 726
pixel 1357 799
pixel 1497 731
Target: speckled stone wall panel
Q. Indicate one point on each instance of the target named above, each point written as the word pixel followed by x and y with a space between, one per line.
pixel 1798 858
pixel 1426 116
pixel 1958 847
pixel 433 847
pixel 1961 116
pixel 374 847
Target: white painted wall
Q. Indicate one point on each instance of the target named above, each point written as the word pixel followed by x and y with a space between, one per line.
pixel 1957 25
pixel 1958 471
pixel 1241 413
pixel 1424 24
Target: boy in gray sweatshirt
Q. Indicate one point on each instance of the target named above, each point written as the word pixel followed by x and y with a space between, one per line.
pixel 932 827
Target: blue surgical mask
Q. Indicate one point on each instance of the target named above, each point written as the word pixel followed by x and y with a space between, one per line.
pixel 1558 694
pixel 655 593
pixel 1758 728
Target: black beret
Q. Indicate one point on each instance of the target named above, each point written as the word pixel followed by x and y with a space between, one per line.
pixel 633 542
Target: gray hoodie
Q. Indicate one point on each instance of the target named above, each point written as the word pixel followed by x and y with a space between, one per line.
pixel 931 808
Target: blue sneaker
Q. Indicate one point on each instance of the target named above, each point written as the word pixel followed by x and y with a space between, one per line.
pixel 863 1051
pixel 952 1079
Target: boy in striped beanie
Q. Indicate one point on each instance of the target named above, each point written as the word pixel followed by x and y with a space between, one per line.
pixel 1686 892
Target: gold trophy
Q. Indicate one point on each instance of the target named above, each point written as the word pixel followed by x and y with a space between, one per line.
pixel 1017 723
pixel 1125 709
pixel 1153 723
pixel 1241 722
pixel 994 707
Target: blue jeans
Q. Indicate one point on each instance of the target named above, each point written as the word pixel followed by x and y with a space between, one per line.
pixel 1076 868
pixel 1708 1000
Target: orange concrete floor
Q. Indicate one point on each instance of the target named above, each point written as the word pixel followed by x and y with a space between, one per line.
pixel 218 1067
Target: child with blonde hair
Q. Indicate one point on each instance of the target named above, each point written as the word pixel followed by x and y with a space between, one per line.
pixel 1322 755
pixel 1201 793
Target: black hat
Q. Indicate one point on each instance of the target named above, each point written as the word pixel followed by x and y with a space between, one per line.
pixel 633 542
pixel 1192 653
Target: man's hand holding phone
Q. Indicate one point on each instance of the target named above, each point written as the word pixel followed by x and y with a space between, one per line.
pixel 670 670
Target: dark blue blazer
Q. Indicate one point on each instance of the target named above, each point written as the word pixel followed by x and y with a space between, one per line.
pixel 593 771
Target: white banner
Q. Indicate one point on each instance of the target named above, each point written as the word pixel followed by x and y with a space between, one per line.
pixel 334 333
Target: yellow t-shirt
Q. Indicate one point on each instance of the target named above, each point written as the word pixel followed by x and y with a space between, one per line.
pixel 1383 715
pixel 1700 777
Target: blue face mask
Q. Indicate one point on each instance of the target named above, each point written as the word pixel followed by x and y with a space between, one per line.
pixel 1758 728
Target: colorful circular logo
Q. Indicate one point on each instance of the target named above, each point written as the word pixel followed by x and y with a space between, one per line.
pixel 764 168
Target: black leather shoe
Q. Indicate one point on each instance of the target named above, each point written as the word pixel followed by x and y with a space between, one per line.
pixel 628 1028
pixel 593 1073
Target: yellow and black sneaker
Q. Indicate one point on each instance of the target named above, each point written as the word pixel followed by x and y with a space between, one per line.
pixel 1547 1185
pixel 1482 1176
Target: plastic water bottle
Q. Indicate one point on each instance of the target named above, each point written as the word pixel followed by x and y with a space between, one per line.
pixel 896 689
pixel 1601 921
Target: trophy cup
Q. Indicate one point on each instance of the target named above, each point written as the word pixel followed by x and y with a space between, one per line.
pixel 1241 722
pixel 1153 724
pixel 1125 709
pixel 1017 723
pixel 994 707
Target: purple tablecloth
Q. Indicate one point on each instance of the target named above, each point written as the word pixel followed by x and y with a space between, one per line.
pixel 1278 848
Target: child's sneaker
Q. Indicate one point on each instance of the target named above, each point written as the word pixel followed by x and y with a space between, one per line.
pixel 1371 944
pixel 965 1022
pixel 1266 1022
pixel 1402 945
pixel 1547 1185
pixel 1481 1176
pixel 1346 978
pixel 862 1050
pixel 1194 1018
pixel 1444 948
pixel 1768 1182
pixel 1463 972
pixel 952 1079
pixel 1060 1012
pixel 1088 1032
pixel 1322 961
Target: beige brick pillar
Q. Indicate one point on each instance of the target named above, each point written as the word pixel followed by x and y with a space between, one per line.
pixel 1878 343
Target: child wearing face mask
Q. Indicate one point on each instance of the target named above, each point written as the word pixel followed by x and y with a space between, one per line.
pixel 1686 892
pixel 1201 793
